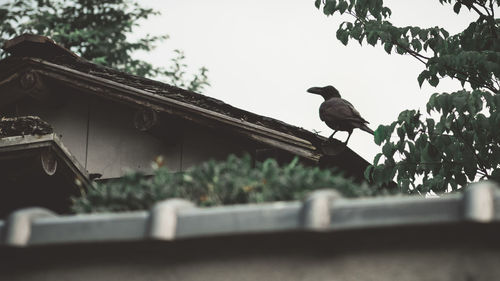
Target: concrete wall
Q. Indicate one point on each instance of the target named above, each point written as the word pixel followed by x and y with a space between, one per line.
pixel 441 253
pixel 101 135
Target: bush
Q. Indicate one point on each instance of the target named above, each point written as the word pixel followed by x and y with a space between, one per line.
pixel 234 181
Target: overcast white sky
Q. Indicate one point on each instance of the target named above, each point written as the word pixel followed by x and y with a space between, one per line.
pixel 262 56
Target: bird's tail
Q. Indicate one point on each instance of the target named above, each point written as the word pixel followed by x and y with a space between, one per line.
pixel 366 129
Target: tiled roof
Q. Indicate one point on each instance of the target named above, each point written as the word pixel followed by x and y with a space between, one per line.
pixel 65 66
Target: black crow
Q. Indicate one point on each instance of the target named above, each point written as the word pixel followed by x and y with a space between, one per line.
pixel 337 113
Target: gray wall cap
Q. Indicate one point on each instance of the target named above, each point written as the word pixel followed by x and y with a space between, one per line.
pixel 18 226
pixel 316 209
pixel 163 218
pixel 479 202
pixel 323 211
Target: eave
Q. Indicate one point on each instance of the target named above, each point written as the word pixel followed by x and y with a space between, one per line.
pixel 37 169
pixel 20 143
pixel 133 96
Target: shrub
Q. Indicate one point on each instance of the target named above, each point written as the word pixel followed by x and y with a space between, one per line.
pixel 234 181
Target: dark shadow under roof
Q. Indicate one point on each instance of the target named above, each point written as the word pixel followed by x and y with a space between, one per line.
pixel 38 170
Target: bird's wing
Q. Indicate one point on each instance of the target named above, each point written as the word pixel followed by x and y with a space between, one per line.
pixel 339 110
pixel 355 113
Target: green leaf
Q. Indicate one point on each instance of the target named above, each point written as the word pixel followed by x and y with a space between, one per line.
pixel 356 32
pixel 372 38
pixel 431 104
pixel 378 175
pixel 401 132
pixel 330 7
pixel 461 179
pixel 233 181
pixel 424 34
pixel 459 102
pixel 317 3
pixel 431 153
pixel 388 149
pixel 433 80
pixel 405 185
pixel 422 76
pixel 377 158
pixel 430 126
pixel 470 165
pixel 388 47
pixel 495 175
pixel 380 134
pixel 456 7
pixel 342 6
pixel 445 33
pixel 342 36
pixel 386 12
pixel 417 46
pixel 368 172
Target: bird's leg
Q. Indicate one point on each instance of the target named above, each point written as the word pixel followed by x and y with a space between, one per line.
pixel 331 136
pixel 350 132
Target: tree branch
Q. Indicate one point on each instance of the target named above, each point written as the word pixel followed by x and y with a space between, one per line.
pixel 409 51
pixel 485 8
pixel 489 87
pixel 473 7
pixel 492 9
pixel 423 58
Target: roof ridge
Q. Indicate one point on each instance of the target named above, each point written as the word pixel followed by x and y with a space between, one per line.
pixel 39 46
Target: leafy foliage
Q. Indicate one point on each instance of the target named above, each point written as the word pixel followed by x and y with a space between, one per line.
pixel 98 31
pixel 234 181
pixel 463 144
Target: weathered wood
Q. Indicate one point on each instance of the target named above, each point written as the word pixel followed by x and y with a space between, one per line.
pixel 333 147
pixel 9 79
pixel 28 44
pixel 10 90
pixel 12 43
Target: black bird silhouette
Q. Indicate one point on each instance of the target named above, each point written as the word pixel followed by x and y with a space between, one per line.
pixel 337 113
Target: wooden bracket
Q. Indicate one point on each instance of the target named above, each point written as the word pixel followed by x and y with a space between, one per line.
pixel 145 119
pixel 32 83
pixel 159 125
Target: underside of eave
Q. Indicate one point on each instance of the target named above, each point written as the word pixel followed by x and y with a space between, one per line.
pixel 22 143
pixel 37 170
pixel 13 70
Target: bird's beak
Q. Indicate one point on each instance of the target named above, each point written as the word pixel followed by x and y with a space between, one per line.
pixel 314 90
